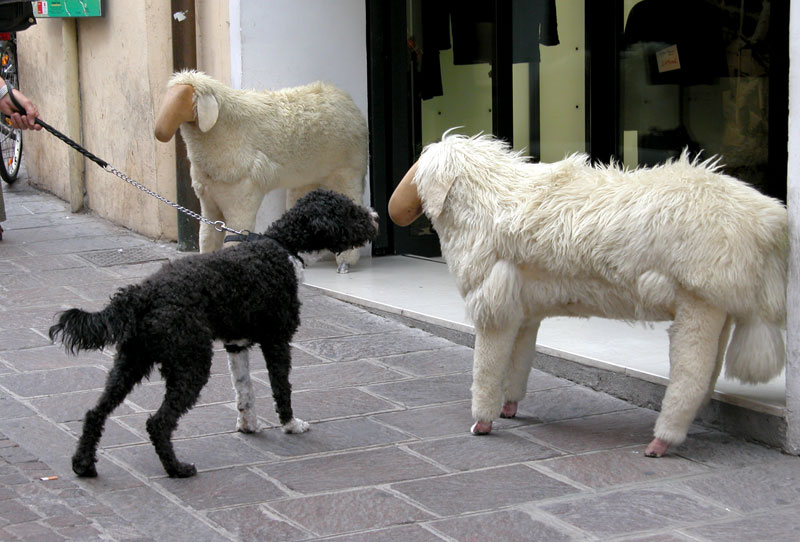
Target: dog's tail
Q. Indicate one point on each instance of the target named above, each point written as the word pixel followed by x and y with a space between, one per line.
pixel 82 330
pixel 756 353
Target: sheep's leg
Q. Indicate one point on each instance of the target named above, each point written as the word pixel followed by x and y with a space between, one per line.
pixel 239 365
pixel 347 259
pixel 491 362
pixel 210 238
pixel 294 194
pixel 515 384
pixel 239 202
pixel 695 338
pixel 722 346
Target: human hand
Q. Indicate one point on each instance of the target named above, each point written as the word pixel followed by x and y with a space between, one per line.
pixel 20 120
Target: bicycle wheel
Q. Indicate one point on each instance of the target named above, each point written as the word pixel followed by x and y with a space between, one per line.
pixel 10 138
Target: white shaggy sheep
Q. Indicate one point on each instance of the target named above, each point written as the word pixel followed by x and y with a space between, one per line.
pixel 242 144
pixel 679 242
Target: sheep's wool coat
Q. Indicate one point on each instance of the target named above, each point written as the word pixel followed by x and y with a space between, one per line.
pixel 288 137
pixel 532 240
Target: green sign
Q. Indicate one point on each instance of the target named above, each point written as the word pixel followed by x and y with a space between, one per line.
pixel 67 8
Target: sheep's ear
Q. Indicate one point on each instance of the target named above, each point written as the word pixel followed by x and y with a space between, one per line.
pixel 207 112
pixel 436 193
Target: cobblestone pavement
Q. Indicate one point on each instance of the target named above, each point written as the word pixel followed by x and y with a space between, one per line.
pixel 388 456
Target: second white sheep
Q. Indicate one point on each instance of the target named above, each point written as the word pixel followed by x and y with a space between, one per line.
pixel 243 144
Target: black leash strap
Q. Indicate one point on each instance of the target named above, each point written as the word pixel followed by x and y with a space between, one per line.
pixel 219 225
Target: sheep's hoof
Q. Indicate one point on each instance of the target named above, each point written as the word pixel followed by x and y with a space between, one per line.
pixel 344 267
pixel 656 448
pixel 509 410
pixel 481 428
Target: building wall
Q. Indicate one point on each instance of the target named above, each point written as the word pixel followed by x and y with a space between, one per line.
pixel 41 72
pixel 124 61
pixel 793 201
pixel 214 39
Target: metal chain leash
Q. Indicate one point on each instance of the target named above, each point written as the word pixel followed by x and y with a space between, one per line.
pixel 219 225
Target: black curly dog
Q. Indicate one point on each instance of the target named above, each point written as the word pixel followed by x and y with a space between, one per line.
pixel 243 295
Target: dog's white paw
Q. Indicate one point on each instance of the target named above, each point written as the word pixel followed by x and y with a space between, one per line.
pixel 247 422
pixel 344 268
pixel 295 425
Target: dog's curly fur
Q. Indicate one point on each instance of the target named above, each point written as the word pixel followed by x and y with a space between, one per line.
pixel 242 295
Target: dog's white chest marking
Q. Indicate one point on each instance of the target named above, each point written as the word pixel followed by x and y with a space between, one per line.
pixel 298 268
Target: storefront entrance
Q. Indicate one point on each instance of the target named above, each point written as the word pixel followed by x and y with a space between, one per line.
pixel 633 81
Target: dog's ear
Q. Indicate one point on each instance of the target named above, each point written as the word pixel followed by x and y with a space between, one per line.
pixel 207 111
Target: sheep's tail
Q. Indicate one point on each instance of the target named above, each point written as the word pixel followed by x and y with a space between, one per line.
pixel 81 330
pixel 756 353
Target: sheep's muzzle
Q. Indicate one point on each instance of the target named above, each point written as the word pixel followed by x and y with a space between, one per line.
pixel 177 108
pixel 405 205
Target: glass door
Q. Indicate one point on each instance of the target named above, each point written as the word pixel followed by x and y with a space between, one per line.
pixel 710 77
pixel 514 69
pixel 635 81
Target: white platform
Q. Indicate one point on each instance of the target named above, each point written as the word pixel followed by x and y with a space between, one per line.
pixel 422 289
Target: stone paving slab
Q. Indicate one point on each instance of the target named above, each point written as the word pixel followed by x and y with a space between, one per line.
pixel 619 467
pixel 456 494
pixel 348 470
pixel 50 357
pixel 388 456
pixel 634 510
pixel 506 525
pixel 342 512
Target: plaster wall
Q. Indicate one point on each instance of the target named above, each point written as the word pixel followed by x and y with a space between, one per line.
pixel 125 60
pixel 41 70
pixel 793 201
pixel 213 39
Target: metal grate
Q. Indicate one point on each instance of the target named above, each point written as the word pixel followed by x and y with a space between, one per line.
pixel 122 256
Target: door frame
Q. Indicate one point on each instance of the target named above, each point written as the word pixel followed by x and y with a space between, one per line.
pixel 394 112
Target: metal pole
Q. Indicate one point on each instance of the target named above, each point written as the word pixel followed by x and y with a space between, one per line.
pixel 184 56
pixel 69 44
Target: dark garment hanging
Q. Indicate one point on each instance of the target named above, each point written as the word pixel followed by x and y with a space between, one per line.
pixel 473 31
pixel 436 37
pixel 682 40
pixel 533 23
